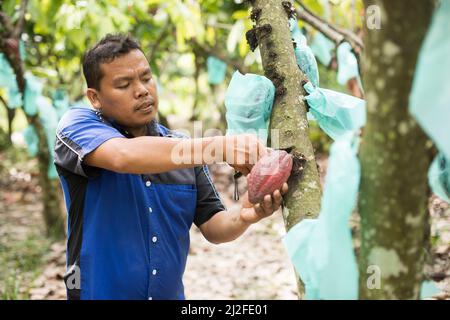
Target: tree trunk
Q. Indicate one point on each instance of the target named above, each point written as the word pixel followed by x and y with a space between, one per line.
pixel 10 114
pixel 288 121
pixel 394 160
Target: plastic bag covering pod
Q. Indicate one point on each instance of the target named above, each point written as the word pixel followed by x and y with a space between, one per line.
pixel 430 95
pixel 248 101
pixel 321 249
pixel 60 101
pixel 322 47
pixel 347 64
pixel 8 81
pixel 336 113
pixel 303 54
pixel 216 70
pixel 49 119
pixel 439 177
pixel 32 140
pixel 33 90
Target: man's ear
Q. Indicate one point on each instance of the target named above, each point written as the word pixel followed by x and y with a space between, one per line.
pixel 92 95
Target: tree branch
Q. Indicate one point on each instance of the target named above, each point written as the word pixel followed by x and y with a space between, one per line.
pixel 207 50
pixel 332 32
pixel 21 21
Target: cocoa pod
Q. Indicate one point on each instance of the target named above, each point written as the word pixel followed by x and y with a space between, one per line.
pixel 269 174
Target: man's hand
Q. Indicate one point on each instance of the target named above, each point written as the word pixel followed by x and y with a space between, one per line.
pixel 253 213
pixel 242 152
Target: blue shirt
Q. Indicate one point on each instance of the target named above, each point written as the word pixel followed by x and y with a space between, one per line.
pixel 128 234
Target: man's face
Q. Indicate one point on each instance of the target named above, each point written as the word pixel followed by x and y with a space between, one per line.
pixel 127 91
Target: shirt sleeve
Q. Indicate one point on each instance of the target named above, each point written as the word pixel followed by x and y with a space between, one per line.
pixel 208 199
pixel 80 132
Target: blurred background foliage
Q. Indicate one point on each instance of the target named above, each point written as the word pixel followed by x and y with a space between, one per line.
pixel 177 37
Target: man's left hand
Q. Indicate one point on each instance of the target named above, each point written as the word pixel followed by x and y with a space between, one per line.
pixel 251 213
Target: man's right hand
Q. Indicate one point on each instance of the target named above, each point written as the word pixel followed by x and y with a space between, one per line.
pixel 242 152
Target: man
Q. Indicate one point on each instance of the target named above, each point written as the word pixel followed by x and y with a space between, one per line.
pixel 130 202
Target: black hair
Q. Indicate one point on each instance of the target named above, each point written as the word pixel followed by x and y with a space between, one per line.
pixel 106 50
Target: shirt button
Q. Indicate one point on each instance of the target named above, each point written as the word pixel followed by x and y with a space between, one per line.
pixel 150 209
pixel 154 239
pixel 148 183
pixel 154 272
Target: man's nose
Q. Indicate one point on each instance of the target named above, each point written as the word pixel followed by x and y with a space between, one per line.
pixel 140 90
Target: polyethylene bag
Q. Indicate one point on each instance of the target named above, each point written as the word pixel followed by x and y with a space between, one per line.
pixel 321 249
pixel 60 101
pixel 303 54
pixel 33 89
pixel 322 48
pixel 439 177
pixel 336 113
pixel 32 140
pixel 216 70
pixel 249 100
pixel 8 81
pixel 347 63
pixel 430 95
pixel 49 120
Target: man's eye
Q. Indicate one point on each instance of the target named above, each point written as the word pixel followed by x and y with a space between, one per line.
pixel 123 86
pixel 147 79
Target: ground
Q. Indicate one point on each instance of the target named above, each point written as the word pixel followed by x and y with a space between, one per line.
pixel 255 266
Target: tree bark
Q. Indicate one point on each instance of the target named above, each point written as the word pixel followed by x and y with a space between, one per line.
pixel 10 114
pixel 288 120
pixel 394 157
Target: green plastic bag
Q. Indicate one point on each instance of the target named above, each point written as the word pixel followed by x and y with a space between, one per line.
pixel 216 70
pixel 321 249
pixel 249 100
pixel 347 64
pixel 33 89
pixel 8 81
pixel 60 101
pixel 336 113
pixel 439 177
pixel 430 95
pixel 49 119
pixel 303 54
pixel 428 289
pixel 32 140
pixel 322 47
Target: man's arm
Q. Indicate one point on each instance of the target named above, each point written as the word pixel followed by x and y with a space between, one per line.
pixel 158 154
pixel 226 226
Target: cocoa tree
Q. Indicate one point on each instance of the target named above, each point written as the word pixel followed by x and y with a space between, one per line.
pixel 9 40
pixel 288 122
pixel 394 159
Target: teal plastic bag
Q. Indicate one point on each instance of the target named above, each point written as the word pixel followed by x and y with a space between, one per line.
pixel 322 47
pixel 336 113
pixel 321 249
pixel 33 89
pixel 8 81
pixel 439 177
pixel 428 289
pixel 430 95
pixel 216 70
pixel 49 119
pixel 303 54
pixel 32 140
pixel 347 64
pixel 60 101
pixel 248 101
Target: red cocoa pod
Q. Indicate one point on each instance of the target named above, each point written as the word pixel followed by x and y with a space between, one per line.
pixel 269 174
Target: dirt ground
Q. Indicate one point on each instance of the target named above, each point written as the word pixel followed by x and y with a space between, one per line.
pixel 255 266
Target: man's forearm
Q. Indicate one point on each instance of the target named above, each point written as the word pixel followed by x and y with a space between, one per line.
pixel 224 226
pixel 158 154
